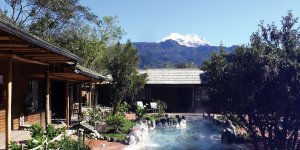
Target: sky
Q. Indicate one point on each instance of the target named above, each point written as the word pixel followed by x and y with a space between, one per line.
pixel 228 21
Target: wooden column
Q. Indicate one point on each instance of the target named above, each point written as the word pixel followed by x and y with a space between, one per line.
pixel 71 102
pixel 95 95
pixel 90 95
pixel 48 115
pixel 8 106
pixel 67 103
pixel 79 98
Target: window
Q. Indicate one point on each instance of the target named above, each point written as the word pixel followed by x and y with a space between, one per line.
pixel 35 96
pixel 2 91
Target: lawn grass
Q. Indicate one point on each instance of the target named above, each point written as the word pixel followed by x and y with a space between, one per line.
pixel 121 136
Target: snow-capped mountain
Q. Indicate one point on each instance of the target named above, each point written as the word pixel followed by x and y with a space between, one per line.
pixel 189 40
pixel 171 53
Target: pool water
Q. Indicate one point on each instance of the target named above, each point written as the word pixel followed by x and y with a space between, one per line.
pixel 198 134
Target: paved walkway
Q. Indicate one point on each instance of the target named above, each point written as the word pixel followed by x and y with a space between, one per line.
pixel 16 135
pixel 95 144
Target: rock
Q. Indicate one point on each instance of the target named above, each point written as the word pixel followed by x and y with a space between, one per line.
pixel 163 121
pixel 105 137
pixel 101 137
pixel 132 140
pixel 119 141
pixel 228 136
pixel 182 123
pixel 108 139
pixel 113 139
pixel 125 142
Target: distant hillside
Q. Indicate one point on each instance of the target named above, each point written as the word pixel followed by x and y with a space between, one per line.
pixel 171 53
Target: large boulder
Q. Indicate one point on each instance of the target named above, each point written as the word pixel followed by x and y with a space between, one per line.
pixel 228 136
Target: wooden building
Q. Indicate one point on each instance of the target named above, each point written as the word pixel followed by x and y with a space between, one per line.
pixel 36 78
pixel 181 89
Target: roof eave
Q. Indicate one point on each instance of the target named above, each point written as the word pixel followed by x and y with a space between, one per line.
pixel 11 29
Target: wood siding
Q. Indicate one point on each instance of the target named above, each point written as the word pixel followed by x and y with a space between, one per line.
pixel 21 76
pixel 2 119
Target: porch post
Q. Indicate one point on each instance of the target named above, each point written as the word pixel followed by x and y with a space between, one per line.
pixel 71 102
pixel 8 106
pixel 67 103
pixel 96 95
pixel 79 98
pixel 90 95
pixel 48 117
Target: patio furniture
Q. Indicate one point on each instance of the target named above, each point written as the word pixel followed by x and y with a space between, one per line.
pixel 23 124
pixel 153 106
pixel 140 104
pixel 75 108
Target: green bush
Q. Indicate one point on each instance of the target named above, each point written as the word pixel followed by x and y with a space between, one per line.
pixel 15 146
pixel 68 144
pixel 95 116
pixel 123 108
pixel 153 117
pixel 162 106
pixel 116 122
pixel 37 133
pixel 36 130
pixel 140 112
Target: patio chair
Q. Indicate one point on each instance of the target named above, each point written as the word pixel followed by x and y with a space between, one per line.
pixel 153 106
pixel 75 108
pixel 140 104
pixel 23 124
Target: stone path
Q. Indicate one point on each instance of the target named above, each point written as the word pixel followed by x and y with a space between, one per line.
pixel 16 135
pixel 95 144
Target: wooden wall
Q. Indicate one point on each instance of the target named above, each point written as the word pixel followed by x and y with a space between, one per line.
pixel 21 76
pixel 2 119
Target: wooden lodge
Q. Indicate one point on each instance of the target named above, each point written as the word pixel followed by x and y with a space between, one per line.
pixel 37 79
pixel 182 89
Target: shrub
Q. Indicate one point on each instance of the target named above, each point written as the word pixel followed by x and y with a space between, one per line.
pixel 36 130
pixel 123 108
pixel 140 112
pixel 162 106
pixel 116 122
pixel 95 116
pixel 153 117
pixel 68 144
pixel 15 146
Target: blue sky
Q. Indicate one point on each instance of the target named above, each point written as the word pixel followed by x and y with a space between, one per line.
pixel 229 21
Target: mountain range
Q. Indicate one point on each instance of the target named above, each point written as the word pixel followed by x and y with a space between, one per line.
pixel 176 51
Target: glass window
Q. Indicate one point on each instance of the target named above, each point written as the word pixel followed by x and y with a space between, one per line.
pixel 2 91
pixel 35 96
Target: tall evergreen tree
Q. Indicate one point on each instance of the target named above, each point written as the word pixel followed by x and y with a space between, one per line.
pixel 259 84
pixel 121 61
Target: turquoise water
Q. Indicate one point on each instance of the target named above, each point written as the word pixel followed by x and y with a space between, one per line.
pixel 198 134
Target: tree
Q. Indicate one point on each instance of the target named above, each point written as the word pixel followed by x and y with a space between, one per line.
pixel 90 43
pixel 66 24
pixel 46 18
pixel 120 61
pixel 259 84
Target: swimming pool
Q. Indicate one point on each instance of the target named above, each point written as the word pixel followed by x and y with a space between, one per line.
pixel 199 134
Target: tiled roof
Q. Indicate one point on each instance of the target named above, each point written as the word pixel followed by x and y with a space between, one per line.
pixel 173 76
